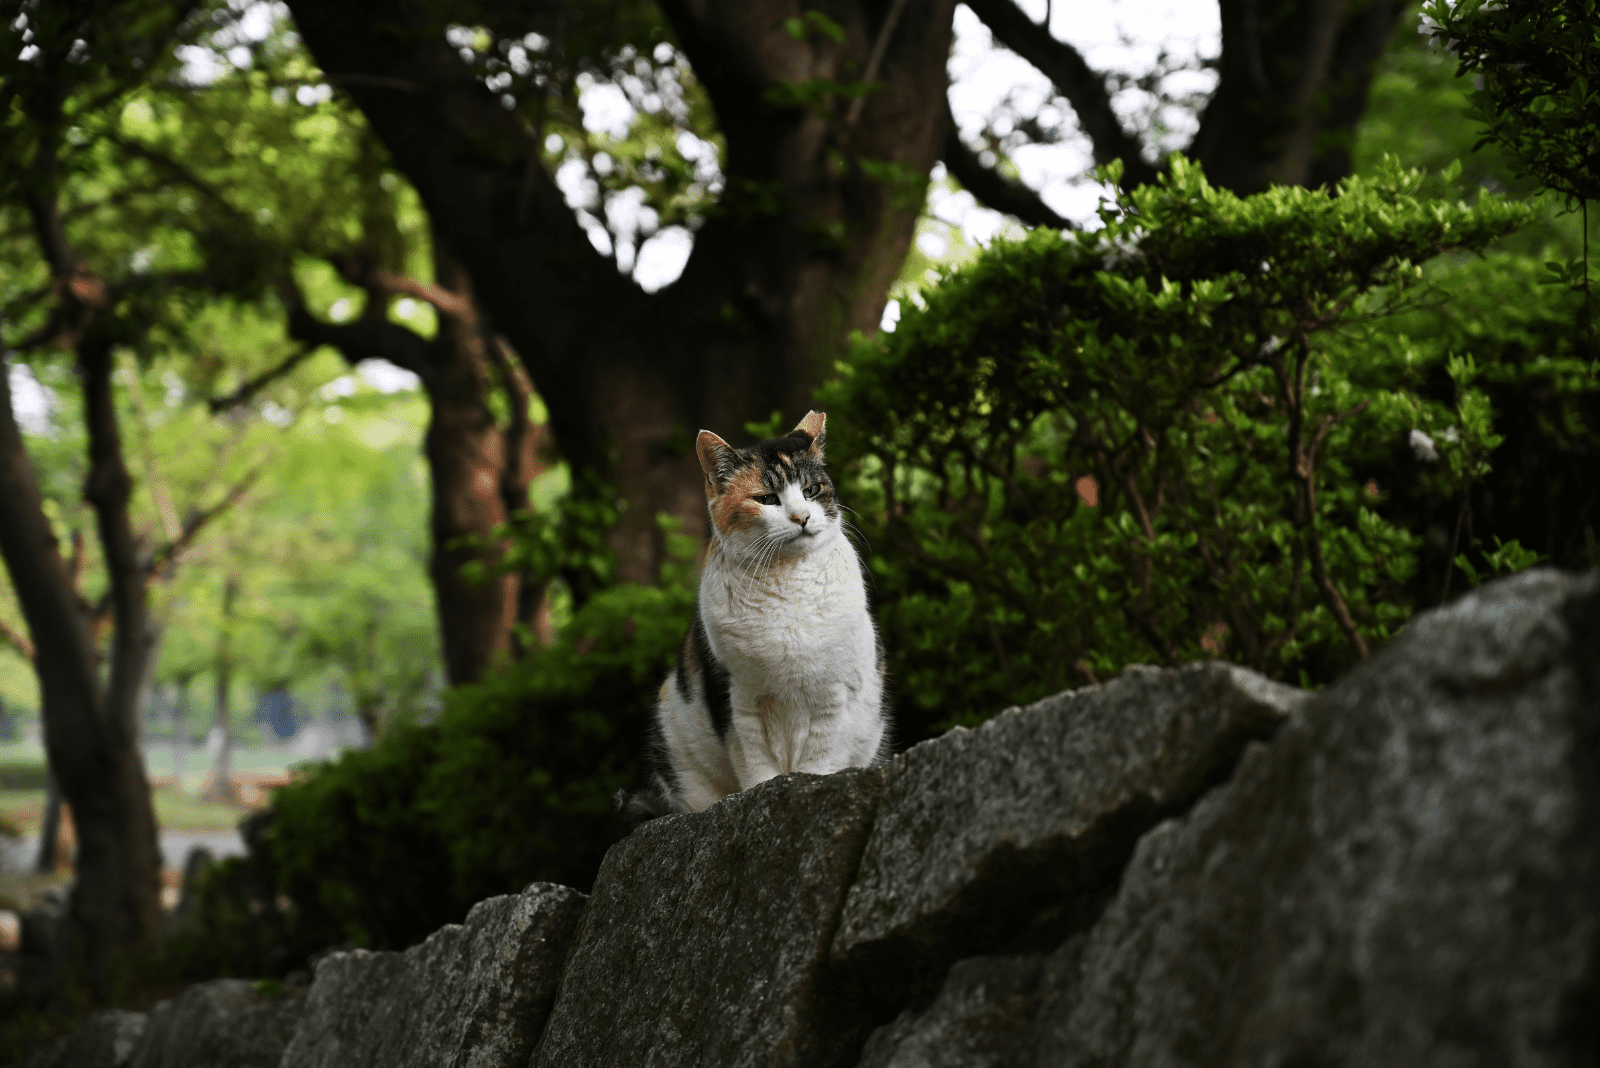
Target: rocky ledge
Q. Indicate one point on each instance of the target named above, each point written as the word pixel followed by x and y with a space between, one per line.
pixel 1193 866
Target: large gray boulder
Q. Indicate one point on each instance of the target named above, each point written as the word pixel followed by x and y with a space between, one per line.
pixel 106 1040
pixel 1024 821
pixel 225 1023
pixel 706 941
pixel 474 995
pixel 1408 875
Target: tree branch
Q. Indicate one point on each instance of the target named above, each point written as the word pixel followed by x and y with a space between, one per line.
pixel 16 639
pixel 368 338
pixel 107 488
pixel 1084 89
pixel 472 162
pixel 249 389
pixel 993 189
pixel 159 562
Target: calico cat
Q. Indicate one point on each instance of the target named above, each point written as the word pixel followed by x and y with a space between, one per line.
pixel 781 670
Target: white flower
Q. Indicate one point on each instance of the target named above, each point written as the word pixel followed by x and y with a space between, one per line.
pixel 1422 445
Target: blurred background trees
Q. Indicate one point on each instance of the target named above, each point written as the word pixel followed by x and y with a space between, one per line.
pixel 355 353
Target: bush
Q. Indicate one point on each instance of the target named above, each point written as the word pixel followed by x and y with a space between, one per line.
pixel 1152 443
pixel 1198 432
pixel 513 782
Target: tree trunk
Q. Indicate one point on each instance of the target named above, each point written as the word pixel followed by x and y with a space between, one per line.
pixel 805 240
pixel 222 761
pixel 90 729
pixel 479 471
pixel 802 253
pixel 1293 85
pixel 45 862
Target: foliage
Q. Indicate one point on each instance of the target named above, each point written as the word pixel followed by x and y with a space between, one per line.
pixel 512 783
pixel 1139 444
pixel 1537 95
pixel 1537 92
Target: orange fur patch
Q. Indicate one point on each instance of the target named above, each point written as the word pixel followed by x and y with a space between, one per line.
pixel 734 510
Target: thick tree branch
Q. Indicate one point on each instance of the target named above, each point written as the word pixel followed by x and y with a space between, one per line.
pixel 402 285
pixel 367 338
pixel 993 189
pixel 1084 89
pixel 108 487
pixel 477 169
pixel 68 681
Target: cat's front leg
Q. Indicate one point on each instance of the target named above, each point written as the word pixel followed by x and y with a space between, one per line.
pixel 757 743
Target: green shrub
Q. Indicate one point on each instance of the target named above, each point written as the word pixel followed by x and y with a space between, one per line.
pixel 1240 379
pixel 511 784
pixel 1193 360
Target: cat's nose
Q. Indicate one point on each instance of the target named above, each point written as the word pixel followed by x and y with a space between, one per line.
pixel 801 519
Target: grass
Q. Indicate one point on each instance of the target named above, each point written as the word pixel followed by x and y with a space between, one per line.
pixel 22 809
pixel 175 811
pixel 178 811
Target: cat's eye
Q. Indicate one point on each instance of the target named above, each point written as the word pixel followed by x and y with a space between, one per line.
pixel 812 490
pixel 765 498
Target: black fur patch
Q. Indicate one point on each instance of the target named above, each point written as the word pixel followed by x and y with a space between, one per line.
pixel 801 469
pixel 714 678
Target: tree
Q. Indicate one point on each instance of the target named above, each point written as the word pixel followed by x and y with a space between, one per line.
pixel 1536 96
pixel 73 63
pixel 333 198
pixel 95 290
pixel 831 117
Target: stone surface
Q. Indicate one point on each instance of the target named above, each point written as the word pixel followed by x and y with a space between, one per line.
pixel 1408 875
pixel 225 1023
pixel 106 1040
pixel 1036 811
pixel 984 1010
pixel 474 995
pixel 706 941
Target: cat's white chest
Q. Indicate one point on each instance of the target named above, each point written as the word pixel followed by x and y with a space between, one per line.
pixel 799 624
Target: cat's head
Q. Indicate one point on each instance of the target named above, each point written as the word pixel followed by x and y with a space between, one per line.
pixel 774 496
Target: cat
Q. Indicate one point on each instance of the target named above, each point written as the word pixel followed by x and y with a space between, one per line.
pixel 782 670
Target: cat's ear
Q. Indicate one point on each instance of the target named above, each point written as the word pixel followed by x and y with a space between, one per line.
pixel 811 427
pixel 717 459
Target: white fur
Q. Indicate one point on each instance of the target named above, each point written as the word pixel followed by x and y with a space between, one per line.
pixel 785 610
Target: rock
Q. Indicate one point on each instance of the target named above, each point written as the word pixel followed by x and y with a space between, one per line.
pixel 1408 875
pixel 225 1023
pixel 706 942
pixel 106 1040
pixel 474 995
pixel 1031 817
pixel 985 1007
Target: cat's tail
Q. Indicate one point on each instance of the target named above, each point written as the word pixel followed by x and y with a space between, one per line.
pixel 640 806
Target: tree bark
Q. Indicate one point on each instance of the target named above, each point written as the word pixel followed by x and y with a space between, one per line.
pixel 222 763
pixel 479 471
pixel 801 253
pixel 1294 81
pixel 90 729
